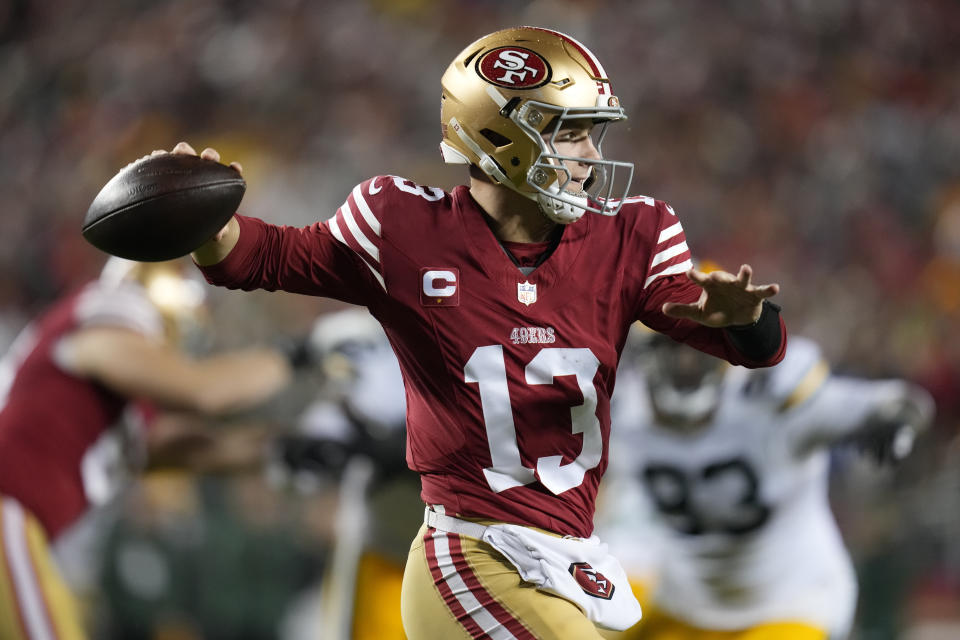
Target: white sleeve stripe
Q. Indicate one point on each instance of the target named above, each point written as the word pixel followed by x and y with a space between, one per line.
pixel 376 274
pixel 669 232
pixel 335 230
pixel 680 267
pixel 365 209
pixel 116 314
pixel 118 319
pixel 358 234
pixel 672 212
pixel 670 252
pixel 118 307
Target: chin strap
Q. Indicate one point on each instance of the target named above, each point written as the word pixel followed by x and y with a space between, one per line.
pixel 559 211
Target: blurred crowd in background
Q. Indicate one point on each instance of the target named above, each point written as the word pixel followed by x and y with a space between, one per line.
pixel 817 140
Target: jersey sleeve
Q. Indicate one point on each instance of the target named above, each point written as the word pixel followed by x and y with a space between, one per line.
pixel 338 258
pixel 841 407
pixel 670 255
pixel 124 306
pixel 664 280
pixel 816 407
pixel 799 377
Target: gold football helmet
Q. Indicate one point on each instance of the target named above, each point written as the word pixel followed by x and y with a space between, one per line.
pixel 504 97
pixel 173 287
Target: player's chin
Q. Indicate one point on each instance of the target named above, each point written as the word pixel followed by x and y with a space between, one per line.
pixel 575 188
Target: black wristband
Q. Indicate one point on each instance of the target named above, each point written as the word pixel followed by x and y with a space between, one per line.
pixel 761 340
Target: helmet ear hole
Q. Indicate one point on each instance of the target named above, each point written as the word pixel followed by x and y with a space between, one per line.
pixel 496 139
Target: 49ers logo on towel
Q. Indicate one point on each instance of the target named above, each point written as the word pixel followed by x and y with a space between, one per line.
pixel 591 581
pixel 514 68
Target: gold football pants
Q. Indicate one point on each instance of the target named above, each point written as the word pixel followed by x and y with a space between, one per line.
pixel 455 586
pixel 35 603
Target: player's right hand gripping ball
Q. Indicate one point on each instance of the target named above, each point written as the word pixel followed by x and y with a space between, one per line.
pixel 163 207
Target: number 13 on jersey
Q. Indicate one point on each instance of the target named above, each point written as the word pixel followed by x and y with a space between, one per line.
pixel 487 368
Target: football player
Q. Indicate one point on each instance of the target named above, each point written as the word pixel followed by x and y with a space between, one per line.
pixel 100 355
pixel 354 435
pixel 507 307
pixel 735 465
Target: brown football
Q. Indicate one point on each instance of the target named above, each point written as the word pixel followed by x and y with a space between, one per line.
pixel 163 207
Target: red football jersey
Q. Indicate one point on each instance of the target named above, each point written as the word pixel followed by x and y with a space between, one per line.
pixel 58 451
pixel 508 376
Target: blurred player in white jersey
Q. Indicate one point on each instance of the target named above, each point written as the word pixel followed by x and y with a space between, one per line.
pixel 353 436
pixel 734 464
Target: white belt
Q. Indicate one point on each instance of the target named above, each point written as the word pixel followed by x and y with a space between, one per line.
pixel 443 522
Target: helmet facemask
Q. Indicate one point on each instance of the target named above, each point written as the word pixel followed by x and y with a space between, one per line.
pixel 609 182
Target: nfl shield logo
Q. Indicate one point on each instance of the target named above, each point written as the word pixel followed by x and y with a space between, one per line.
pixel 526 293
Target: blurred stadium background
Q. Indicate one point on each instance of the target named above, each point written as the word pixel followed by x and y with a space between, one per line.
pixel 818 140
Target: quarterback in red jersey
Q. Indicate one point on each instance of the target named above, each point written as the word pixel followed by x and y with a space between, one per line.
pixel 507 308
pixel 66 385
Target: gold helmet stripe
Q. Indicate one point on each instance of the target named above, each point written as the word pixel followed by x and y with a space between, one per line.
pixel 595 65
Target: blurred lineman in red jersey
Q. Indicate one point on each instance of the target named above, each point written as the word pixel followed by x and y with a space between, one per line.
pixel 80 391
pixel 507 307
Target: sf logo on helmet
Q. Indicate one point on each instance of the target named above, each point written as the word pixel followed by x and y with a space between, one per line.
pixel 514 68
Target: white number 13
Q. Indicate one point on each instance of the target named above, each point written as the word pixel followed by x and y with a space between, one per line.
pixel 486 367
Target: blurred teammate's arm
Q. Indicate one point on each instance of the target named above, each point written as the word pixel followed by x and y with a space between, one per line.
pixel 135 366
pixel 186 442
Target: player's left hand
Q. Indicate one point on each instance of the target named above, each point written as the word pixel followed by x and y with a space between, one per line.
pixel 726 299
pixel 888 433
pixel 888 443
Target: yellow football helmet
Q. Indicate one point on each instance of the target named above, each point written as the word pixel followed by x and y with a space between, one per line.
pixel 503 98
pixel 684 385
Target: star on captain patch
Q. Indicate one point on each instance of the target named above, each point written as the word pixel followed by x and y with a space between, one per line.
pixel 526 293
